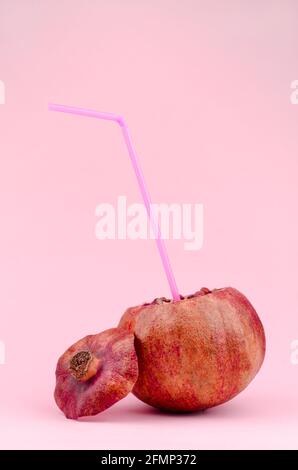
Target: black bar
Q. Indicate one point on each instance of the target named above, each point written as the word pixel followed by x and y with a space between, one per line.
pixel 139 458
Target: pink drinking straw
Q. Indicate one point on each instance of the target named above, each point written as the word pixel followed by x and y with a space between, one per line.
pixel 142 185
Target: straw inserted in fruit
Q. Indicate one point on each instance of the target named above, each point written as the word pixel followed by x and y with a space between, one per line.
pixel 141 181
pixel 176 356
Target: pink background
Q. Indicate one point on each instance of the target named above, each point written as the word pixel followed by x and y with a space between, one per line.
pixel 205 88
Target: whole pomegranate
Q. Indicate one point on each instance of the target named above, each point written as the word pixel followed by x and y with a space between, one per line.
pixel 195 353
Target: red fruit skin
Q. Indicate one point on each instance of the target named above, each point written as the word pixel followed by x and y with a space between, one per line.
pixel 198 352
pixel 116 375
pixel 130 316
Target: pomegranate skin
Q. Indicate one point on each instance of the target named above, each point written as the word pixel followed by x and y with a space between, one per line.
pixel 198 352
pixel 110 372
pixel 130 316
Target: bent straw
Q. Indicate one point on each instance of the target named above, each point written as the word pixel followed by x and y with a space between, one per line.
pixel 140 178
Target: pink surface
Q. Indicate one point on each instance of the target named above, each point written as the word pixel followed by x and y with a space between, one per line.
pixel 205 88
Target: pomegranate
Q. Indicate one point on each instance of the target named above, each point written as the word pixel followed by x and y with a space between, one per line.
pixel 195 353
pixel 96 372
